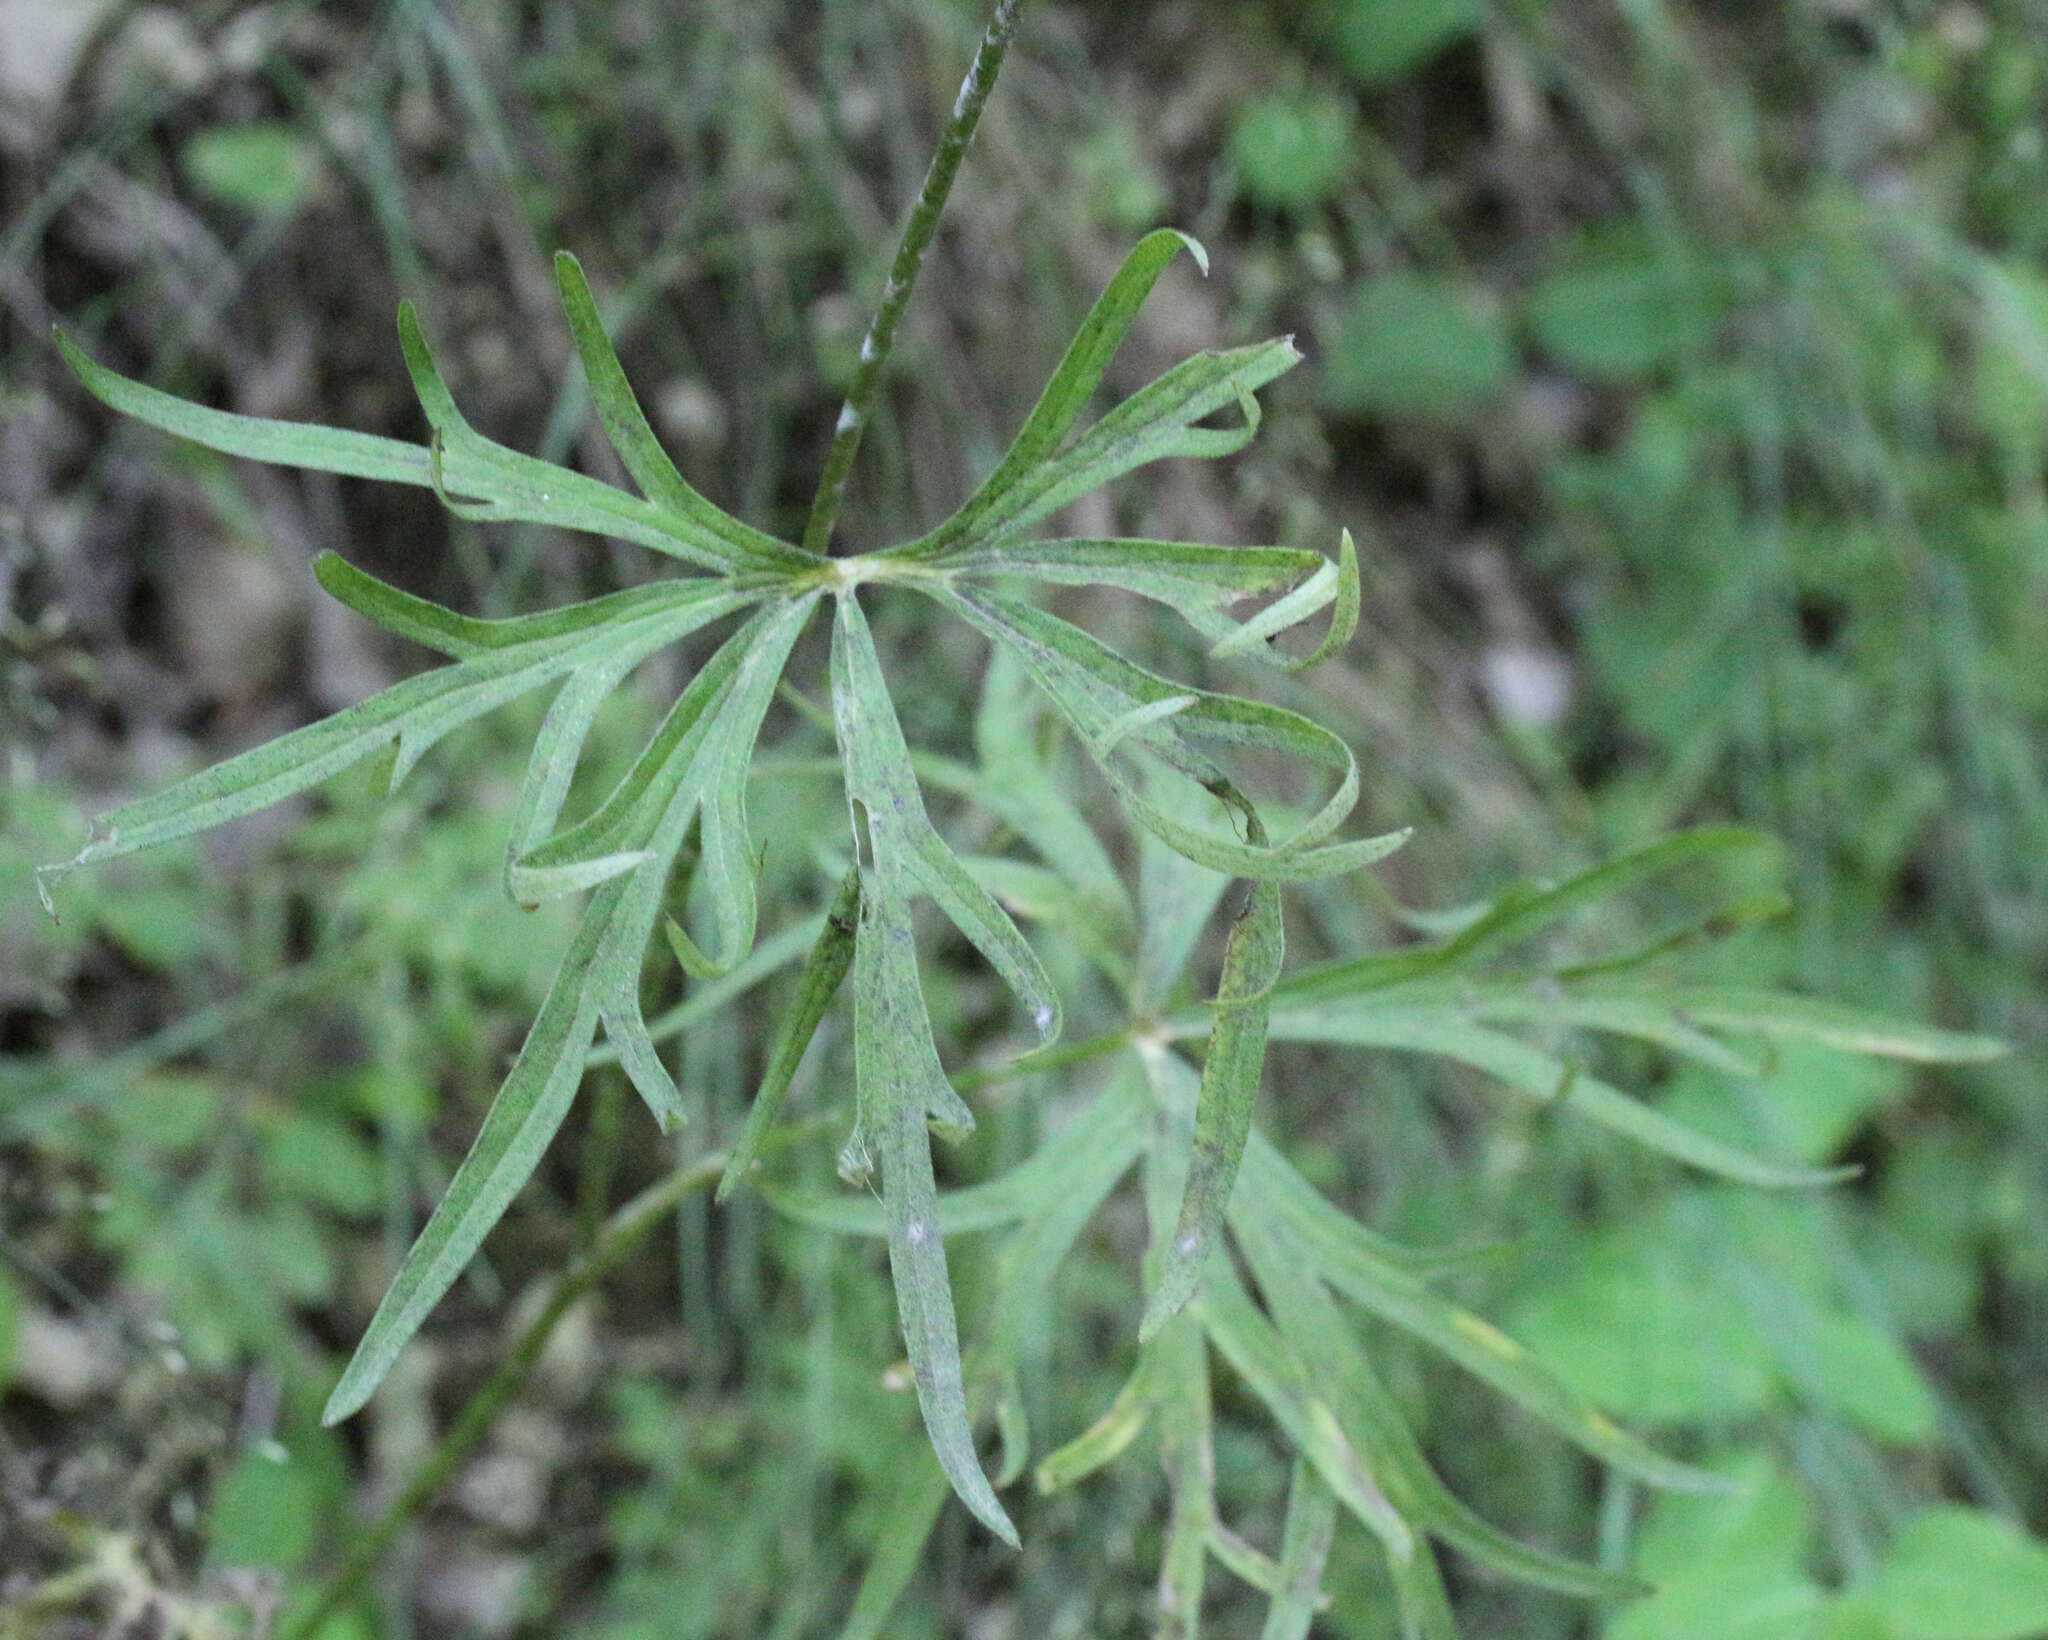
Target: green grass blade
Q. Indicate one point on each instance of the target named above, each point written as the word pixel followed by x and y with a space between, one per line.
pixel 1230 1085
pixel 906 1526
pixel 1293 1201
pixel 1311 1524
pixel 1419 1594
pixel 1105 1440
pixel 1352 1265
pixel 823 972
pixel 1187 1451
pixel 1648 1017
pixel 1244 1561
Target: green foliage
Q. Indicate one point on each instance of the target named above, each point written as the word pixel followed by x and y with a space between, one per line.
pixel 265 168
pixel 1409 345
pixel 1381 40
pixel 1292 150
pixel 1264 1312
pixel 691 779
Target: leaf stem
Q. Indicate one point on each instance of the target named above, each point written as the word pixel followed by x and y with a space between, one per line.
pixel 620 1235
pixel 917 237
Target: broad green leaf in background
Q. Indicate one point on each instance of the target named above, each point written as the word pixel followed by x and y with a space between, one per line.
pixel 1637 1328
pixel 265 1512
pixel 261 166
pixel 1381 40
pixel 1621 310
pixel 1292 148
pixel 1405 344
pixel 1954 1573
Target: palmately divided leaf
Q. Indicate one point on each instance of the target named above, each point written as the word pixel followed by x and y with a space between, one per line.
pixel 1074 383
pixel 1096 689
pixel 763 647
pixel 1524 911
pixel 1255 1348
pixel 908 854
pixel 598 982
pixel 414 713
pixel 1200 582
pixel 562 863
pixel 1370 1417
pixel 626 425
pixel 823 972
pixel 1544 1078
pixel 482 478
pixel 701 750
pixel 1113 1126
pixel 899 1088
pixel 1252 958
pixel 1156 423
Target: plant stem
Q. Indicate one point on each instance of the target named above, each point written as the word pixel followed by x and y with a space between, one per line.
pixel 621 1233
pixel 917 236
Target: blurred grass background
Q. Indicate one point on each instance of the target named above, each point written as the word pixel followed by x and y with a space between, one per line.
pixel 1683 369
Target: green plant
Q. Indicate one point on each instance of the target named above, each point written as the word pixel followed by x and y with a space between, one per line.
pixel 680 815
